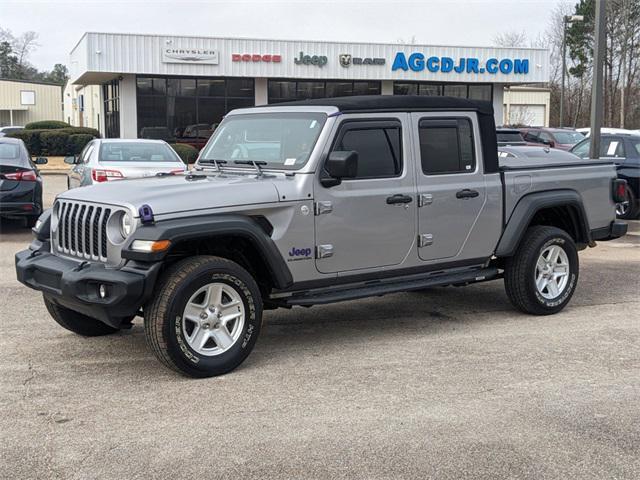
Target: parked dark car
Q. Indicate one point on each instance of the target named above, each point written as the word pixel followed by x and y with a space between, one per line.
pixel 20 182
pixel 509 137
pixel 561 138
pixel 624 150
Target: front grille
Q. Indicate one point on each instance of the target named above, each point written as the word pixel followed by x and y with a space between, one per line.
pixel 82 230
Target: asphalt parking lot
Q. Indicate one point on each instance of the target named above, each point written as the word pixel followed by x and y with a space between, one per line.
pixel 449 383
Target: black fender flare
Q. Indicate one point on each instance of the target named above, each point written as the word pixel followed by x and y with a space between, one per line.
pixel 529 205
pixel 191 228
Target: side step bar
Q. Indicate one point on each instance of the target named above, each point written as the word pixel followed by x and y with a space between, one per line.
pixel 382 287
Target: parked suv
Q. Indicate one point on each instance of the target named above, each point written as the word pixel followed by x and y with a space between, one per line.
pixel 315 202
pixel 562 138
pixel 624 150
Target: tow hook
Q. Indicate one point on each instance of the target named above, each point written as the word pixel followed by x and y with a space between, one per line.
pixel 83 264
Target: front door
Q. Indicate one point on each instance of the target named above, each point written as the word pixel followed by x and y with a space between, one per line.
pixel 451 185
pixel 368 221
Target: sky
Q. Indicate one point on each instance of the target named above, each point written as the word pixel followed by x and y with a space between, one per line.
pixel 60 23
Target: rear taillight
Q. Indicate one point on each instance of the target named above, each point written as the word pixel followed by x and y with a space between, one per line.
pixel 25 176
pixel 619 190
pixel 177 170
pixel 102 175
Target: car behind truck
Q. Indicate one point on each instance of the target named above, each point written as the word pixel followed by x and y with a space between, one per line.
pixel 310 203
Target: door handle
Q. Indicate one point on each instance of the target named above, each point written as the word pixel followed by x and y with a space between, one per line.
pixel 399 198
pixel 466 193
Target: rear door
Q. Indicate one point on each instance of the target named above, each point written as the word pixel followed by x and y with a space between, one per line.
pixel 451 185
pixel 368 221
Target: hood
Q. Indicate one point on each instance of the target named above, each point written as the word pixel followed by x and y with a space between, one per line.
pixel 177 193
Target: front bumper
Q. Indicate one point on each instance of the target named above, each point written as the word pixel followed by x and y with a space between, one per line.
pixel 75 284
pixel 616 229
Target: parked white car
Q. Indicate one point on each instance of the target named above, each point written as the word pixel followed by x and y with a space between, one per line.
pixel 586 130
pixel 4 131
pixel 110 159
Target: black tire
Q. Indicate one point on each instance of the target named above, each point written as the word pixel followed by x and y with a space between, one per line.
pixel 520 271
pixel 30 221
pixel 633 206
pixel 163 322
pixel 76 322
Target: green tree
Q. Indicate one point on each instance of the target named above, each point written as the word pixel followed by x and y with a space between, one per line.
pixel 59 74
pixel 8 61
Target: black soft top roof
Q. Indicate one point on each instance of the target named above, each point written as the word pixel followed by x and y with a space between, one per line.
pixel 394 102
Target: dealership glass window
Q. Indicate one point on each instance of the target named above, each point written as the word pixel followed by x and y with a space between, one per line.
pixel 477 91
pixel 111 98
pixel 187 110
pixel 339 89
pixel 405 88
pixel 455 91
pixel 288 90
pixel 481 92
pixel 446 146
pixel 430 90
pixel 366 88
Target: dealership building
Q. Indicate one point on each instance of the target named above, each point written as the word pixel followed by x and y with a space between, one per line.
pixel 176 87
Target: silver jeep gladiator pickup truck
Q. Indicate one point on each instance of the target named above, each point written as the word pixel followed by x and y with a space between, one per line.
pixel 314 202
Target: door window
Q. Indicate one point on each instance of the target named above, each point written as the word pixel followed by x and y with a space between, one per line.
pixel 378 145
pixel 545 138
pixel 446 146
pixel 612 147
pixel 531 136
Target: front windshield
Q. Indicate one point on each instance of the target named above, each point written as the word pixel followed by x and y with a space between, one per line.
pixel 281 140
pixel 568 138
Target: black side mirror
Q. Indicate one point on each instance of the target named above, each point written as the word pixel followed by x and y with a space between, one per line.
pixel 71 160
pixel 41 161
pixel 339 165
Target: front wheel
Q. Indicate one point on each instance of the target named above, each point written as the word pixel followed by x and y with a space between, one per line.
pixel 541 277
pixel 205 317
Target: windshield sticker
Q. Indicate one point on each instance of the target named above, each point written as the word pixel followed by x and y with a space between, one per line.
pixel 290 161
pixel 313 124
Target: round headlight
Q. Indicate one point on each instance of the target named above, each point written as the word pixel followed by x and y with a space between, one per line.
pixel 125 225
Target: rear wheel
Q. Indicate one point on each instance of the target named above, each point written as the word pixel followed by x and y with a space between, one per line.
pixel 205 317
pixel 76 322
pixel 628 208
pixel 541 277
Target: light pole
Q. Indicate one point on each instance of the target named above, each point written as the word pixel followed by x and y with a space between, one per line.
pixel 566 20
pixel 596 85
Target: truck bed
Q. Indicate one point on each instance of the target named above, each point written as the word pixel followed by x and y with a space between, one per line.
pixel 592 180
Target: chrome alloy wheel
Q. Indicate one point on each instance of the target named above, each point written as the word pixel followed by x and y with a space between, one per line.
pixel 213 319
pixel 552 272
pixel 622 208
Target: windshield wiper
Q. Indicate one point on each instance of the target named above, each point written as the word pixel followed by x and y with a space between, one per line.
pixel 212 161
pixel 255 163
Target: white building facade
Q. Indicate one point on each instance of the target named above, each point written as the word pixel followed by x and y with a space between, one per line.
pixel 174 87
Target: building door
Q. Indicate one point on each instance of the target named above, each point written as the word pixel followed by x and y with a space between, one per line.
pixel 368 221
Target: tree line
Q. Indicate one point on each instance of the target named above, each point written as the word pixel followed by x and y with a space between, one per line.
pixel 621 65
pixel 15 51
